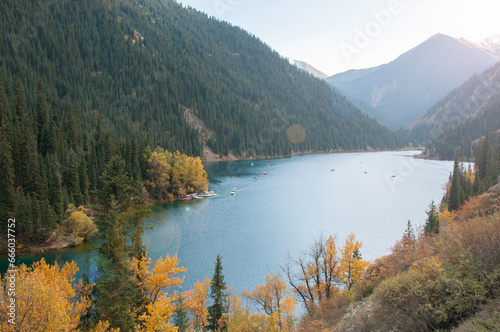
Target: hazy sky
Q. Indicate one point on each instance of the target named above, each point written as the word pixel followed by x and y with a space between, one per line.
pixel 337 35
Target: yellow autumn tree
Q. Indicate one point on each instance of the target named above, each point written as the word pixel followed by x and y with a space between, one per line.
pixel 158 289
pixel 80 224
pixel 46 298
pixel 174 174
pixel 196 303
pixel 352 267
pixel 315 276
pixel 323 272
pixel 274 299
pixel 196 177
pixel 159 170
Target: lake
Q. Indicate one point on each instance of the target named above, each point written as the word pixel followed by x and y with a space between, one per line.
pixel 371 194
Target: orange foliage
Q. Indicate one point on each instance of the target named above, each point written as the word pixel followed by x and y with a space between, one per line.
pixel 174 174
pixel 483 205
pixel 352 267
pixel 274 299
pixel 46 298
pixel 155 287
pixel 196 300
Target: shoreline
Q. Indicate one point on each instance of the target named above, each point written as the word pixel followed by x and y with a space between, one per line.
pixel 232 157
pixel 63 243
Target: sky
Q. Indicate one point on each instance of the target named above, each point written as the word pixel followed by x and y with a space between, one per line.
pixel 337 35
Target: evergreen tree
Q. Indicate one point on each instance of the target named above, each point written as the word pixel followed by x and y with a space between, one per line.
pixel 117 294
pixel 7 198
pixel 4 111
pixel 432 221
pixel 219 299
pixel 482 164
pixel 24 217
pixel 54 182
pixel 74 179
pixel 181 319
pixel 25 153
pixel 455 199
pixel 42 120
pixel 116 185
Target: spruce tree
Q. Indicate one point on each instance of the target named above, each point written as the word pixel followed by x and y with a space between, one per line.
pixel 4 112
pixel 117 295
pixel 7 198
pixel 54 193
pixel 456 196
pixel 219 299
pixel 432 221
pixel 181 318
pixel 482 163
pixel 25 152
pixel 42 119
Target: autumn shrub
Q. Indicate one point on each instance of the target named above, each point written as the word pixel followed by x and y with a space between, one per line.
pixel 408 298
pixel 484 205
pixel 328 313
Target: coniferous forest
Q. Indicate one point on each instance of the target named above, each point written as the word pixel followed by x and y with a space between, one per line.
pixel 83 82
pixel 109 106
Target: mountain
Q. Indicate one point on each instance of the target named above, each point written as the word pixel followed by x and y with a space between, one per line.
pixel 88 89
pixel 462 118
pixel 470 100
pixel 492 44
pixel 142 65
pixel 399 92
pixel 308 68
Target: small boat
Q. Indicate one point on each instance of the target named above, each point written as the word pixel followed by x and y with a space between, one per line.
pixel 332 170
pixel 212 193
pixel 232 193
pixel 234 190
pixel 265 173
pixel 393 176
pixel 234 177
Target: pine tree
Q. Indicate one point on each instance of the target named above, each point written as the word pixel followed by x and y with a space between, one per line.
pixel 73 179
pixel 116 185
pixel 219 299
pixel 4 112
pixel 54 182
pixel 482 163
pixel 42 120
pixel 117 295
pixel 25 152
pixel 181 319
pixel 455 198
pixel 432 221
pixel 24 217
pixel 7 199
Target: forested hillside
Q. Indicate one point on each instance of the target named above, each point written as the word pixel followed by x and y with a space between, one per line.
pixel 461 118
pixel 134 63
pixel 85 81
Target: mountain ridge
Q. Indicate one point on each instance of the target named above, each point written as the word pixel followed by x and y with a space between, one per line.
pixel 406 87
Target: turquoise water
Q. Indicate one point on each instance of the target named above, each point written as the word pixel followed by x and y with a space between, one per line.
pixel 272 216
